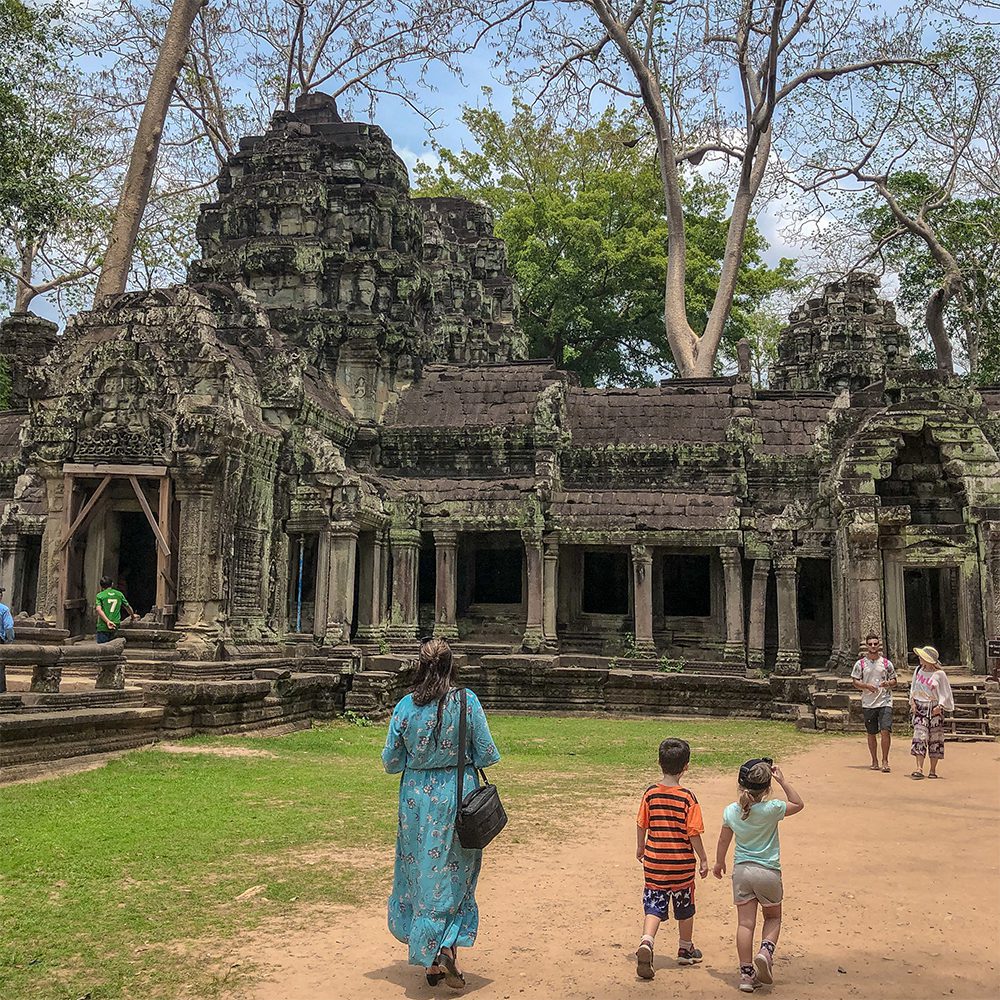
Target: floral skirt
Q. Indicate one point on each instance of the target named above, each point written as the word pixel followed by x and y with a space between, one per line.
pixel 928 733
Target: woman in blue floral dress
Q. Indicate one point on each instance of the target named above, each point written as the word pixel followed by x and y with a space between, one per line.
pixel 433 902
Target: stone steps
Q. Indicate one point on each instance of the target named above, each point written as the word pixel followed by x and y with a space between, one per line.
pixel 71 701
pixel 837 706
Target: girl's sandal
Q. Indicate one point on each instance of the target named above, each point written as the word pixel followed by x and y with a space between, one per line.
pixel 452 977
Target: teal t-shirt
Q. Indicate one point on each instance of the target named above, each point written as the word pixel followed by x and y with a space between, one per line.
pixel 757 835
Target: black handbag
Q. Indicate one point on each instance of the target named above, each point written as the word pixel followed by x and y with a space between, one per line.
pixel 480 815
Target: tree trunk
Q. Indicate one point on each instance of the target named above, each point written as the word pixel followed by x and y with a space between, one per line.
pixel 934 318
pixel 139 177
pixel 24 292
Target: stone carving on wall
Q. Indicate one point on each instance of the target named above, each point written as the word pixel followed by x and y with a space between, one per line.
pixel 120 426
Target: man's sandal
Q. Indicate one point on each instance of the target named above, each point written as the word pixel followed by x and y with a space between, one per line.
pixel 874 767
pixel 452 977
pixel 886 769
pixel 933 775
pixel 916 774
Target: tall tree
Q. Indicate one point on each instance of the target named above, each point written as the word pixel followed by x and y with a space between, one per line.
pixel 139 176
pixel 920 145
pixel 970 230
pixel 716 78
pixel 51 223
pixel 581 211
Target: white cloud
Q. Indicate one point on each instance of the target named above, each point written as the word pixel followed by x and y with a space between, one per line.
pixel 411 158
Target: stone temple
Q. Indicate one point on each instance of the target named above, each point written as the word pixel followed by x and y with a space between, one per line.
pixel 329 442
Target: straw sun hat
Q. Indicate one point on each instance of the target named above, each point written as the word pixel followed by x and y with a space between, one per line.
pixel 928 654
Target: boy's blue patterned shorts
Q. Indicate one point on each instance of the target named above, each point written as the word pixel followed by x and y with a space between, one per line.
pixel 655 902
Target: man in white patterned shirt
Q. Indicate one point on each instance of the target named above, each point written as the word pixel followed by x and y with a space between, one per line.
pixel 875 677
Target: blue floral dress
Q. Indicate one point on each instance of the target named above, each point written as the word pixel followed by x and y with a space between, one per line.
pixel 433 901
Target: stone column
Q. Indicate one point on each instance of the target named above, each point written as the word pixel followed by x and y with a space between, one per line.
pixel 405 544
pixel 321 613
pixel 642 588
pixel 199 562
pixel 370 590
pixel 9 546
pixel 50 570
pixel 991 589
pixel 446 582
pixel 340 583
pixel 550 592
pixel 866 600
pixel 788 660
pixel 732 568
pixel 533 562
pixel 758 614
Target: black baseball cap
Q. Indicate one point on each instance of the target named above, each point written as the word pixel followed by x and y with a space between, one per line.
pixel 745 769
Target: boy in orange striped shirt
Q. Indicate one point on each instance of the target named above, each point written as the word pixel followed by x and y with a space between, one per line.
pixel 668 836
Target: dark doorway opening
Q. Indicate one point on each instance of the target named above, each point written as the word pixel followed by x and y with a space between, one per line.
pixel 815 603
pixel 497 576
pixel 931 596
pixel 426 583
pixel 605 583
pixel 303 557
pixel 427 570
pixel 687 585
pixel 26 586
pixel 136 577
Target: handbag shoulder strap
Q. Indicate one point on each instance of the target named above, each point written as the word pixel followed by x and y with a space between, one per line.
pixel 461 750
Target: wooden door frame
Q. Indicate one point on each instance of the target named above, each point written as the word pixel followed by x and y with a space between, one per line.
pixel 74 521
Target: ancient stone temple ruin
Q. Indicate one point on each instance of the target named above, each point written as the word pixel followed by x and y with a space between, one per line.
pixel 329 442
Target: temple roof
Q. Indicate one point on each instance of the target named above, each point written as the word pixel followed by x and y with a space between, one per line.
pixel 482 395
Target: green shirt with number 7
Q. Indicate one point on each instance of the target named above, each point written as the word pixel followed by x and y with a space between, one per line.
pixel 110 601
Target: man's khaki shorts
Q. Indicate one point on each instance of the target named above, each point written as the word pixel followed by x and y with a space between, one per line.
pixel 753 881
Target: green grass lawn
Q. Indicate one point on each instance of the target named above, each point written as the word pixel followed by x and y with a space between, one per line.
pixel 104 875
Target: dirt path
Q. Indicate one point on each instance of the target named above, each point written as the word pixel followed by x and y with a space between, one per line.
pixel 892 891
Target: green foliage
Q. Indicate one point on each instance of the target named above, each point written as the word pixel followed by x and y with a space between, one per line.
pixel 105 872
pixel 669 665
pixel 970 231
pixel 357 719
pixel 581 212
pixel 5 383
pixel 50 149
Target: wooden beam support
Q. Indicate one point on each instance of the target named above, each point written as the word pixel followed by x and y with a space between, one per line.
pixel 144 503
pixel 142 471
pixel 70 532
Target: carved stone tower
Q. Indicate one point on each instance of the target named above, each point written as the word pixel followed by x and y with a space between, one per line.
pixel 846 338
pixel 315 217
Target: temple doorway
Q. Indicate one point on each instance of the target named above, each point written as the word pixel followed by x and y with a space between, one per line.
pixel 136 576
pixel 932 611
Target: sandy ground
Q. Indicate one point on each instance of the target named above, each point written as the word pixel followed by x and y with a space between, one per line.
pixel 892 890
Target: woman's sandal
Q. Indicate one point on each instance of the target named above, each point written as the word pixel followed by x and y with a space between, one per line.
pixel 434 978
pixel 916 774
pixel 452 977
pixel 933 775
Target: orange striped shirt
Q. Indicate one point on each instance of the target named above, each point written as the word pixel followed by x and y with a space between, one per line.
pixel 671 816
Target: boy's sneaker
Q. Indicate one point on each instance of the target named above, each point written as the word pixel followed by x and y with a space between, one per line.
pixel 688 956
pixel 762 963
pixel 748 982
pixel 644 960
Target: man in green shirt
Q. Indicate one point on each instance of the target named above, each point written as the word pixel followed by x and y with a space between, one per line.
pixel 109 605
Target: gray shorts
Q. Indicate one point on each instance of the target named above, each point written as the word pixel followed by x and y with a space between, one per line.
pixel 752 881
pixel 877 719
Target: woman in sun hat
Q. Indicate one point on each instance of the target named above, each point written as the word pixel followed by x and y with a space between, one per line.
pixel 930 698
